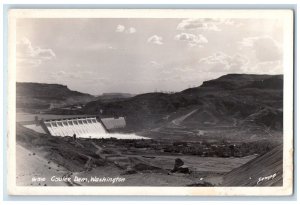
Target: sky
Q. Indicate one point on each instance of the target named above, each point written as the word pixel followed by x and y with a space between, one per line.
pixel 136 55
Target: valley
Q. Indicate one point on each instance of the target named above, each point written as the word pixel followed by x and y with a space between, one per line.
pixel 213 130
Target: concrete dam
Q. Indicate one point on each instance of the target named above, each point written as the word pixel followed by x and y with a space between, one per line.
pixel 83 127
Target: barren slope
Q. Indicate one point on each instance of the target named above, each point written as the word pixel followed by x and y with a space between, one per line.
pixel 265 170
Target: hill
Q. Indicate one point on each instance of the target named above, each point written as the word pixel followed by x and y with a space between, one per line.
pixel 249 104
pixel 40 96
pixel 265 170
pixel 111 97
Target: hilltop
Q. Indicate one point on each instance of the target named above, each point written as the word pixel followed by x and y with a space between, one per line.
pixel 41 96
pixel 111 97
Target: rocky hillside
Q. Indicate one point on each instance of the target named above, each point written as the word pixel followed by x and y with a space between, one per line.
pixel 111 97
pixel 233 101
pixel 265 170
pixel 36 96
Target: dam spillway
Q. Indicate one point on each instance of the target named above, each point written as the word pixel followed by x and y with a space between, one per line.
pixel 81 127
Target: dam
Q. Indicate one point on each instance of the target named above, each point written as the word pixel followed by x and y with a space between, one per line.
pixel 81 126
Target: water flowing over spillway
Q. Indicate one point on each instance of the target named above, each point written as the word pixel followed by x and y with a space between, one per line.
pixel 82 127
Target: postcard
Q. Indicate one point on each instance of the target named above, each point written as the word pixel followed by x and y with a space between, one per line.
pixel 184 102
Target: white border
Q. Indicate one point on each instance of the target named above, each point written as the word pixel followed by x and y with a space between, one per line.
pixel 285 15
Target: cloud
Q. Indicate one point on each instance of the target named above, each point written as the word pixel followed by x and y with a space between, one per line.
pixel 120 28
pixel 67 75
pixel 77 75
pixel 207 24
pixel 184 69
pixel 221 62
pixel 265 48
pixel 99 46
pixel 26 50
pixel 155 65
pixel 155 40
pixel 28 63
pixel 192 39
pixel 131 30
pixel 32 56
pixel 270 67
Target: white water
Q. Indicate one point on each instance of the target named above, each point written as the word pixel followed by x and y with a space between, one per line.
pixel 121 136
pixel 84 128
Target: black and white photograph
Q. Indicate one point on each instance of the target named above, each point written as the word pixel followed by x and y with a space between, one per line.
pixel 186 102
